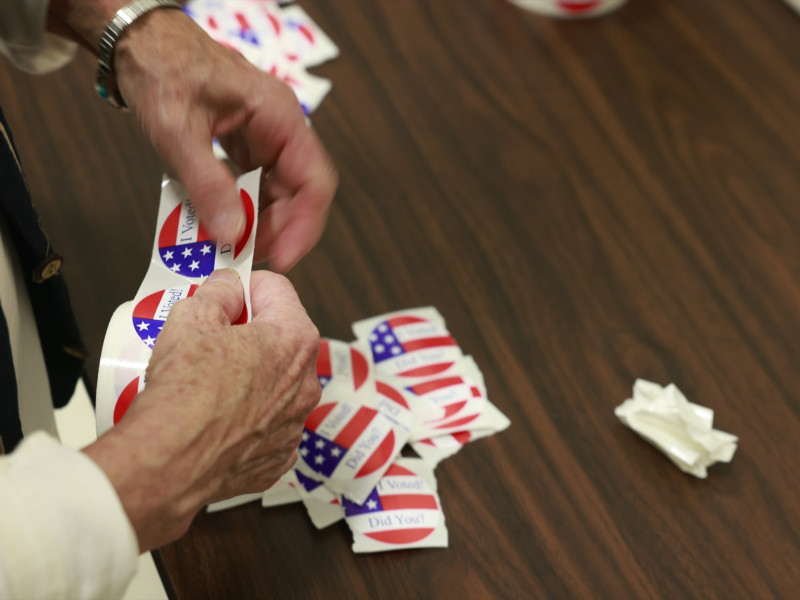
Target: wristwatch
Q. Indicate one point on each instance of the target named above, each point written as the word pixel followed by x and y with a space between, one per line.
pixel 106 79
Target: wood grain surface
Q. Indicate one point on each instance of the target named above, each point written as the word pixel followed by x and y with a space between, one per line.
pixel 586 203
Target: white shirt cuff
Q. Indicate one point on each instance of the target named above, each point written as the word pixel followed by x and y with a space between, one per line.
pixel 63 530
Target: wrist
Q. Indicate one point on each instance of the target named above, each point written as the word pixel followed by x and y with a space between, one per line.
pixel 146 469
pixel 83 20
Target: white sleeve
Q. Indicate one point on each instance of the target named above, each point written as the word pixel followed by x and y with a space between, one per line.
pixel 63 531
pixel 25 42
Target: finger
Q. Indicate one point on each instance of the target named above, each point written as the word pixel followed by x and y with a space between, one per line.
pixel 210 183
pixel 223 288
pixel 274 299
pixel 298 193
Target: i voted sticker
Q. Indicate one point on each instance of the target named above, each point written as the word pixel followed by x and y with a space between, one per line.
pixel 342 365
pixel 151 312
pixel 410 344
pixel 185 247
pixel 403 511
pixel 348 447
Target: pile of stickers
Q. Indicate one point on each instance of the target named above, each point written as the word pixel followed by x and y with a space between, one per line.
pixel 280 40
pixel 403 381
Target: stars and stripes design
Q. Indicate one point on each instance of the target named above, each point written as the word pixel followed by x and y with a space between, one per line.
pixel 186 248
pixel 343 363
pixel 309 484
pixel 150 313
pixel 400 511
pixel 449 394
pixel 405 336
pixel 348 445
pixel 393 405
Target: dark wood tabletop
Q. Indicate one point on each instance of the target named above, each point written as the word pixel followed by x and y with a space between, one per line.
pixel 586 203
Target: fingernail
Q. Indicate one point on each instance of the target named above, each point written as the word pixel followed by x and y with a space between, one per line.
pixel 227 275
pixel 227 225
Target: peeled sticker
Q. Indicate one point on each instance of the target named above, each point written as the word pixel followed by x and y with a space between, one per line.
pixel 343 368
pixel 434 449
pixel 348 447
pixel 411 344
pixel 403 511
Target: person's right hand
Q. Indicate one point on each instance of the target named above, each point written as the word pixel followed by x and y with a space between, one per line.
pixel 224 406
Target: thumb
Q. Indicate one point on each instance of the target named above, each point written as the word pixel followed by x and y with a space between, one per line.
pixel 211 187
pixel 224 288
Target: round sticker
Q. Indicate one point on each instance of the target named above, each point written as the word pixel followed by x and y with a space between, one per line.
pixel 185 247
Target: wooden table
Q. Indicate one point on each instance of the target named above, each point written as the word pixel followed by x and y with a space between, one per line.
pixel 586 203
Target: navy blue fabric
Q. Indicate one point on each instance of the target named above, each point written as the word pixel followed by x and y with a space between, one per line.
pixel 61 342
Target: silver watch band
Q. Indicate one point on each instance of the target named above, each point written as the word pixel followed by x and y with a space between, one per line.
pixel 106 80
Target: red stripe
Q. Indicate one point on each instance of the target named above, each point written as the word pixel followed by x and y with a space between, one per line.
pixel 391 393
pixel 307 33
pixel 276 24
pixel 396 469
pixel 146 309
pixel 403 536
pixel 476 393
pixel 249 218
pixel 398 321
pixel 408 501
pixel 380 457
pixel 125 399
pixel 577 7
pixel 458 422
pixel 212 23
pixel 358 423
pixel 317 415
pixel 435 384
pixel 452 409
pixel 324 359
pixel 169 231
pixel 360 368
pixel 462 437
pixel 433 342
pixel 242 316
pixel 242 21
pixel 427 370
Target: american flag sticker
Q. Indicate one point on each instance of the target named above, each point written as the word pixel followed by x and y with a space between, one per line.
pixel 450 395
pixel 390 401
pixel 343 365
pixel 348 447
pixel 185 247
pixel 434 449
pixel 150 313
pixel 309 43
pixel 410 344
pixel 403 511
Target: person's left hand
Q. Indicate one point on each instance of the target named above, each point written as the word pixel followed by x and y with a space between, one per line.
pixel 186 89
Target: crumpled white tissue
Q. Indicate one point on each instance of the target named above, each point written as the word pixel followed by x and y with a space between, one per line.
pixel 680 429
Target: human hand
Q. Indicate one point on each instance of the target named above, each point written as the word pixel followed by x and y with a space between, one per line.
pixel 224 406
pixel 186 89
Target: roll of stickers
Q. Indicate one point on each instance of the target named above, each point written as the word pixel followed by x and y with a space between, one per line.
pixel 183 257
